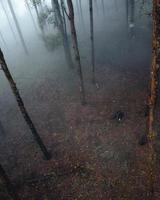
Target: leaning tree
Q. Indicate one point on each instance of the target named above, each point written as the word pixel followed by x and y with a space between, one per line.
pixel 21 106
pixel 7 185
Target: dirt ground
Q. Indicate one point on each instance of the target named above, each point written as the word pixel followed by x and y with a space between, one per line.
pixel 94 156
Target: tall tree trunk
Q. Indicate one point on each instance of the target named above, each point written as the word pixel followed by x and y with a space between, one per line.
pixel 76 49
pixel 103 7
pixel 7 16
pixel 80 7
pixel 55 4
pixel 22 107
pixel 153 92
pixel 36 9
pixel 92 40
pixel 38 18
pixel 96 5
pixel 132 5
pixel 2 131
pixel 3 40
pixel 18 27
pixel 32 18
pixel 154 70
pixel 131 13
pixel 63 14
pixel 81 12
pixel 127 14
pixel 41 6
pixel 7 184
pixel 78 11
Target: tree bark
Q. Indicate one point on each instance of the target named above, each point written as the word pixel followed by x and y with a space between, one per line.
pixel 63 14
pixel 127 14
pixel 92 39
pixel 153 92
pixel 8 185
pixel 55 4
pixel 22 107
pixel 35 7
pixel 154 68
pixel 76 50
pixel 3 40
pixel 2 131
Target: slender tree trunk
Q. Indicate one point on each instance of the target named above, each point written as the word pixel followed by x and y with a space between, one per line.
pixel 103 7
pixel 7 16
pixel 92 40
pixel 66 45
pixel 131 13
pixel 54 11
pixel 1 35
pixel 76 49
pixel 18 27
pixel 132 2
pixel 38 18
pixel 96 5
pixel 41 6
pixel 153 93
pixel 78 11
pixel 36 9
pixel 80 7
pixel 127 13
pixel 32 18
pixel 8 185
pixel 22 107
pixel 81 12
pixel 154 70
pixel 2 131
pixel 63 14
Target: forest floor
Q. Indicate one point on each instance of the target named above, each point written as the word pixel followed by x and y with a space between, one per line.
pixel 94 156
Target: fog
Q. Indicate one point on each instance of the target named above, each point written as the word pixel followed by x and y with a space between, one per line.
pixel 35 54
